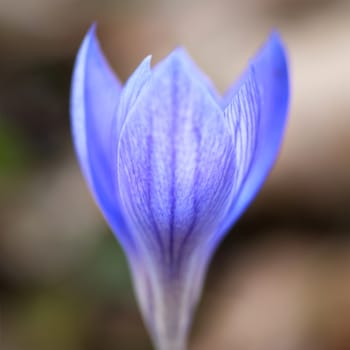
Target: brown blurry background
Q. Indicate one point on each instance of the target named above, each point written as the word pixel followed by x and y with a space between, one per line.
pixel 281 279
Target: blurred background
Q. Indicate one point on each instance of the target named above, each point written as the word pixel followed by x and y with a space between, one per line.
pixel 280 280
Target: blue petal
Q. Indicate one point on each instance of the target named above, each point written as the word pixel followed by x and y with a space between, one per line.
pixel 175 166
pixel 196 73
pixel 243 119
pixel 264 119
pixel 94 100
pixel 175 158
pixel 133 87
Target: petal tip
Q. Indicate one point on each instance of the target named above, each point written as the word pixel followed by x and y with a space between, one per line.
pixel 147 61
pixel 93 27
pixel 271 63
pixel 276 48
pixel 275 36
pixel 180 61
pixel 90 35
pixel 180 53
pixel 177 58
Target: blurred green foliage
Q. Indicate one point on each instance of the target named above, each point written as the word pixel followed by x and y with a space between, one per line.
pixel 49 320
pixel 106 275
pixel 92 307
pixel 15 155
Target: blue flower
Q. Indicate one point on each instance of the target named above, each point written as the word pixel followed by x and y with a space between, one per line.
pixel 172 165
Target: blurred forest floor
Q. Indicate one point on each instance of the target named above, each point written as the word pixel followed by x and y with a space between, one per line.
pixel 280 280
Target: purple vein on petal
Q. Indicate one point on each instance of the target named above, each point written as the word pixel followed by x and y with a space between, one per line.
pixel 243 117
pixel 251 109
pixel 181 251
pixel 133 172
pixel 168 179
pixel 173 134
pixel 149 180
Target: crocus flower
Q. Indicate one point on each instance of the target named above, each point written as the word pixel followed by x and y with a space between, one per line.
pixel 172 165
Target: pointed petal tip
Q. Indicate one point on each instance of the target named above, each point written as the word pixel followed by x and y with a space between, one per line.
pixel 271 65
pixel 275 36
pixel 180 53
pixel 142 72
pixel 177 58
pixel 274 39
pixel 90 35
pixel 147 61
pixel 89 44
pixel 275 48
pixel 93 28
